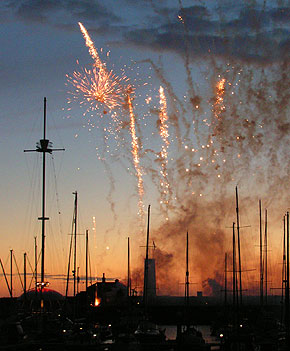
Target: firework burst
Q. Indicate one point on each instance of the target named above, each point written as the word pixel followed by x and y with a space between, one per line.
pixel 99 87
pixel 96 87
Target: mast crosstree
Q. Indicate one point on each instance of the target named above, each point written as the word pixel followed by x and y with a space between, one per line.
pixel 44 146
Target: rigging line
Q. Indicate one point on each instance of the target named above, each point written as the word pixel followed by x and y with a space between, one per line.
pixel 68 267
pixel 90 268
pixel 57 197
pixel 69 258
pixel 18 270
pixel 56 128
pixel 36 126
pixel 33 270
pixel 7 259
pixel 33 273
pixel 32 191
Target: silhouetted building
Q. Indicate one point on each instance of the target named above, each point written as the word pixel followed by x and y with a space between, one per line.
pixel 107 292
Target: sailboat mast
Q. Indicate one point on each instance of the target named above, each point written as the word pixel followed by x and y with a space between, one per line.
pixel 145 293
pixel 187 275
pixel 24 275
pixel 226 281
pixel 283 270
pixel 239 246
pixel 45 144
pixel 234 268
pixel 261 257
pixel 87 255
pixel 287 325
pixel 6 279
pixel 129 278
pixel 75 240
pixel 11 273
pixel 35 263
pixel 266 259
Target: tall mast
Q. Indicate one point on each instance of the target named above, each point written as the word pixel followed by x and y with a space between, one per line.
pixel 187 275
pixel 75 240
pixel 226 284
pixel 283 270
pixel 287 325
pixel 11 273
pixel 35 263
pixel 129 274
pixel 234 268
pixel 87 255
pixel 5 276
pixel 261 257
pixel 68 265
pixel 239 247
pixel 145 293
pixel 24 275
pixel 43 146
pixel 78 279
pixel 266 259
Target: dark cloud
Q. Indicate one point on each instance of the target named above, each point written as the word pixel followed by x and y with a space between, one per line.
pixel 247 35
pixel 243 32
pixel 194 12
pixel 61 11
pixel 281 15
pixel 92 11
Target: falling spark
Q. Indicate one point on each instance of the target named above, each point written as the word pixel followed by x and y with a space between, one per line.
pixel 135 154
pixel 94 231
pixel 165 138
pixel 218 105
pixel 180 19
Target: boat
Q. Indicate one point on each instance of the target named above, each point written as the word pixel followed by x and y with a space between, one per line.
pixel 149 333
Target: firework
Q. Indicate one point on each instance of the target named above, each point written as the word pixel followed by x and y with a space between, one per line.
pixel 94 86
pixel 218 104
pixel 97 85
pixel 92 50
pixel 135 154
pixel 164 136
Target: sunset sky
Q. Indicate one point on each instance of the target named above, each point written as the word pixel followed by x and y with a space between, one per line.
pixel 224 69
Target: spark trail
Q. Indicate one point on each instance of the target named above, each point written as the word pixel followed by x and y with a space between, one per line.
pixel 92 50
pixel 136 158
pixel 164 153
pixel 219 106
